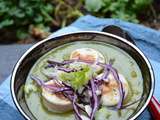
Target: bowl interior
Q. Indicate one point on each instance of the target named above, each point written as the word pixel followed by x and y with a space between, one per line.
pixel 24 65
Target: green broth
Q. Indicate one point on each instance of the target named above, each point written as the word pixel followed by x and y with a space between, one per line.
pixel 123 63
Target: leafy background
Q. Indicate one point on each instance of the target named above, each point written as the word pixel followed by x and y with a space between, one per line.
pixel 25 21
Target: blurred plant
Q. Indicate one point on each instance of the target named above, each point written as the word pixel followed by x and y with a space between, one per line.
pixel 122 9
pixel 37 18
pixel 67 10
pixel 20 14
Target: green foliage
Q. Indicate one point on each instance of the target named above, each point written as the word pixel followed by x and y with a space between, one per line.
pixel 94 5
pixel 23 12
pixel 19 14
pixel 122 9
pixel 36 17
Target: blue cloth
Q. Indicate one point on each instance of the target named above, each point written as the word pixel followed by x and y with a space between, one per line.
pixel 148 40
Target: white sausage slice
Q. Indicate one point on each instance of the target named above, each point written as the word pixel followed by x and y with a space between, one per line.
pixel 87 54
pixel 55 102
pixel 110 90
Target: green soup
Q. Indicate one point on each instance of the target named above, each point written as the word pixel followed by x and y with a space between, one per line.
pixel 125 65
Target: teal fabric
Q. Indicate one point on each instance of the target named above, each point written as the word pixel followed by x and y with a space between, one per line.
pixel 148 40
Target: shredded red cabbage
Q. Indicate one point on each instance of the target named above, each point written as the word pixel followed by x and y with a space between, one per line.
pixel 94 101
pixel 37 80
pixel 92 86
pixel 56 63
pixel 121 89
pixel 52 63
pixel 54 89
pixel 78 115
pixel 68 70
pixel 108 68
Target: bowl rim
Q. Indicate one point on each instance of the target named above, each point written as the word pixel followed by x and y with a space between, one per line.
pixel 83 32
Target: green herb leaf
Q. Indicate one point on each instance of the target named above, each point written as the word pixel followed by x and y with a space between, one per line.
pixel 79 78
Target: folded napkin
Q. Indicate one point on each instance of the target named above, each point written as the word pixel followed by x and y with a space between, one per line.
pixel 148 40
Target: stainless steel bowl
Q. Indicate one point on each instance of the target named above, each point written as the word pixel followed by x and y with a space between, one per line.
pixel 26 62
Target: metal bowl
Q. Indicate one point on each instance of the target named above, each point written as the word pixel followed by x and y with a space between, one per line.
pixel 26 62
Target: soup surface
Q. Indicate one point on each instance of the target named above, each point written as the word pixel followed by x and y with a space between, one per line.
pixel 122 62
